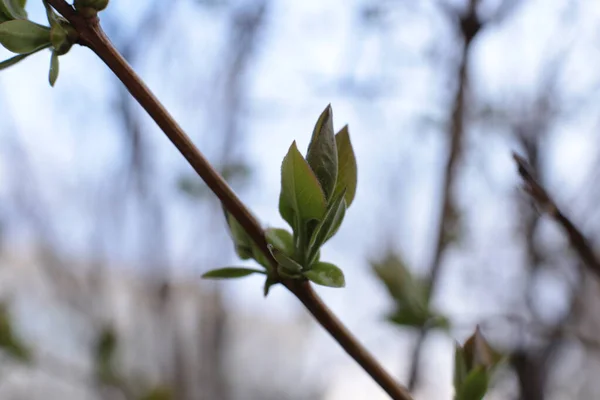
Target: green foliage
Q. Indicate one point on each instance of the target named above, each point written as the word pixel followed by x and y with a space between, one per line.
pixel 347 171
pixel 104 353
pixel 300 189
pixel 474 363
pixel 328 225
pixel 322 153
pixel 12 9
pixel 9 342
pixel 315 193
pixel 53 74
pixel 23 36
pixel 410 293
pixel 231 273
pixel 96 5
pixel 326 274
pixel 158 393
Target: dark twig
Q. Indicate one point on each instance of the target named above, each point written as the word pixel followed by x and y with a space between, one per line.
pixel 92 36
pixel 470 26
pixel 543 199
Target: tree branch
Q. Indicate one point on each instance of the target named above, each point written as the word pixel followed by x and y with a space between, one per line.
pixel 539 194
pixel 92 36
pixel 470 25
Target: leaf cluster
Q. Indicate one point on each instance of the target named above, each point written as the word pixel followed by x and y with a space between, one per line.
pixel 316 191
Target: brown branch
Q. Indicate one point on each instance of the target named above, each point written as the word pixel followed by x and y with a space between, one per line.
pixel 541 196
pixel 92 36
pixel 470 26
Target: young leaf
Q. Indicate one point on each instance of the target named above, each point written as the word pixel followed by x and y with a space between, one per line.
pixel 300 189
pixel 347 176
pixel 330 221
pixel 287 263
pixel 231 273
pixel 410 316
pixel 287 212
pixel 326 274
pixel 322 153
pixel 12 9
pixel 268 283
pixel 474 386
pixel 23 36
pixel 479 353
pixel 13 60
pixel 53 75
pixel 242 242
pixel 460 367
pixel 281 239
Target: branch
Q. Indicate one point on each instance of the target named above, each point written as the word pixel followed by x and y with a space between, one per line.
pixel 470 25
pixel 92 36
pixel 539 194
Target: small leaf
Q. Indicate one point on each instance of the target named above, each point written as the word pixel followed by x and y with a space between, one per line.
pixel 13 60
pixel 281 239
pixel 12 10
pixel 474 386
pixel 326 274
pixel 23 36
pixel 299 187
pixel 268 283
pixel 331 221
pixel 347 176
pixel 242 242
pixel 231 273
pixel 322 152
pixel 287 212
pixel 410 316
pixel 479 353
pixel 53 75
pixel 9 341
pixel 287 263
pixel 158 393
pixel 460 367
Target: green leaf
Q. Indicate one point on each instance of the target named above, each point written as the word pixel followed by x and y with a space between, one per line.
pixel 23 36
pixel 287 263
pixel 268 283
pixel 53 75
pixel 281 239
pixel 287 212
pixel 474 386
pixel 13 60
pixel 158 393
pixel 460 367
pixel 326 274
pixel 347 175
pixel 9 341
pixel 331 221
pixel 410 316
pixel 104 354
pixel 300 189
pixel 322 152
pixel 242 242
pixel 12 10
pixel 479 353
pixel 231 273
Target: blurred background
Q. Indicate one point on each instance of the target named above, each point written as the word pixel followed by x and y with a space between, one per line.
pixel 104 229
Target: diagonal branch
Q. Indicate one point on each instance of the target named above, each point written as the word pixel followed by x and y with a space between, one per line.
pixel 577 240
pixel 92 36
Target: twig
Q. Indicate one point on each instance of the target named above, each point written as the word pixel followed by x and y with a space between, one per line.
pixel 92 36
pixel 539 194
pixel 470 25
